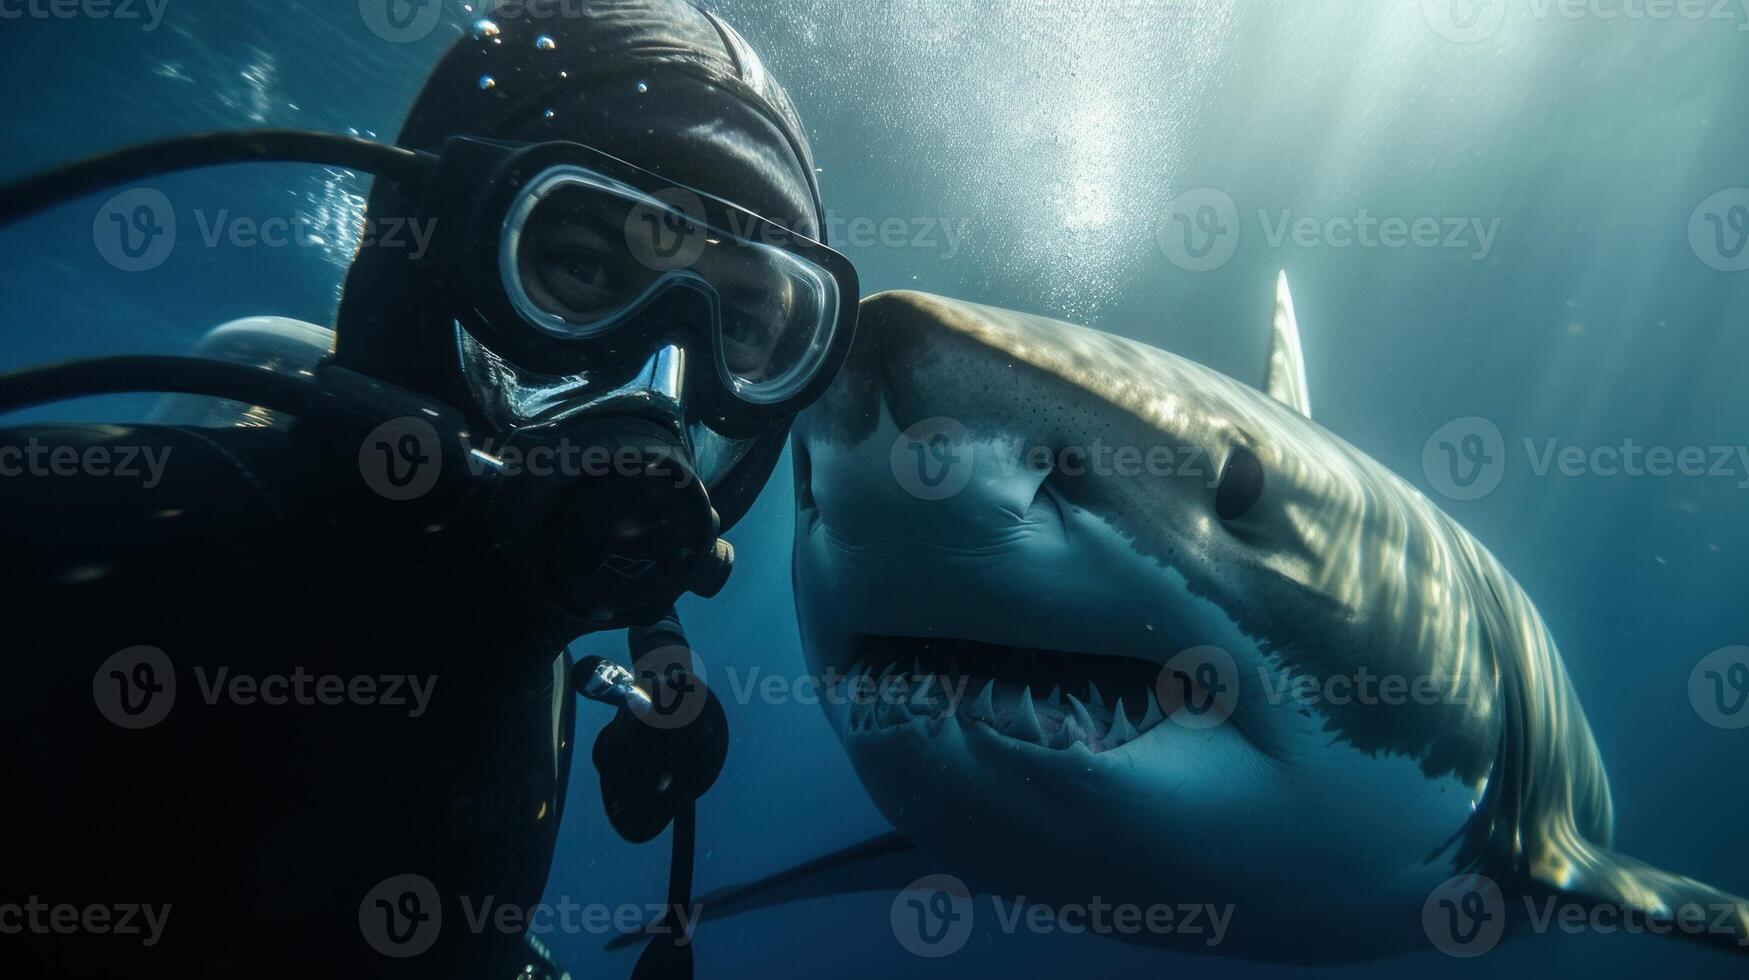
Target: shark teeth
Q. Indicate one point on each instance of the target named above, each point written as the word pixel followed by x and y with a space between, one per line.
pixel 884 699
pixel 1082 718
pixel 1121 731
pixel 984 708
pixel 1026 724
pixel 1153 716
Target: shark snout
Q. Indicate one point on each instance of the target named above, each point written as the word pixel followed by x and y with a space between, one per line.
pixel 929 437
pixel 932 499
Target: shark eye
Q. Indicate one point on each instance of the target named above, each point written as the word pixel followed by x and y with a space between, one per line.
pixel 1241 484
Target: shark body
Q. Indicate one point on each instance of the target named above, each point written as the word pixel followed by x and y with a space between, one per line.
pixel 1156 636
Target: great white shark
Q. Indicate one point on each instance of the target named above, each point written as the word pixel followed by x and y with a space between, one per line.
pixel 1140 675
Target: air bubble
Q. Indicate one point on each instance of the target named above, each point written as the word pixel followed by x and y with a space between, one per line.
pixel 487 82
pixel 545 42
pixel 548 114
pixel 643 87
pixel 484 29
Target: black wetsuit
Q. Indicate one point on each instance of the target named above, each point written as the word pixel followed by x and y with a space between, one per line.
pixel 264 827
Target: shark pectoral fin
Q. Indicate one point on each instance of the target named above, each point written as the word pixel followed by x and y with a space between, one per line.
pixel 1284 379
pixel 1670 904
pixel 885 862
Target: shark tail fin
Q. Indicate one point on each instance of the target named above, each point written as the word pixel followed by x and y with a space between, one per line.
pixel 1668 903
pixel 885 862
pixel 1284 377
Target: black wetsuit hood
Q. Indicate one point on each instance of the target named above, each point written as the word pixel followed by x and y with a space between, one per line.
pixel 662 84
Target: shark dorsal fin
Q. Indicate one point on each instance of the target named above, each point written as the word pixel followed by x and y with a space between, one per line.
pixel 1285 377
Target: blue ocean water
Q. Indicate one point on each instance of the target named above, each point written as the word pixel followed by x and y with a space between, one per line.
pixel 1038 155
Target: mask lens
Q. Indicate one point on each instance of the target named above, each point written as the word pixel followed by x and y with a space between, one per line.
pixel 569 266
pixel 582 251
pixel 777 316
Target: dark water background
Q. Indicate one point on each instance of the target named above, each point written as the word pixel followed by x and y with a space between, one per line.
pixel 1056 134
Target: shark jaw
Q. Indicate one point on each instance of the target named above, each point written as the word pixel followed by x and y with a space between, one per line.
pixel 1049 699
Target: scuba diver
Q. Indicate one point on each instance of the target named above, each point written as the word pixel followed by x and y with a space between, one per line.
pixel 303 701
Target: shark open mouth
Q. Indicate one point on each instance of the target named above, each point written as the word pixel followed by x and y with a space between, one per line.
pixel 1047 697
